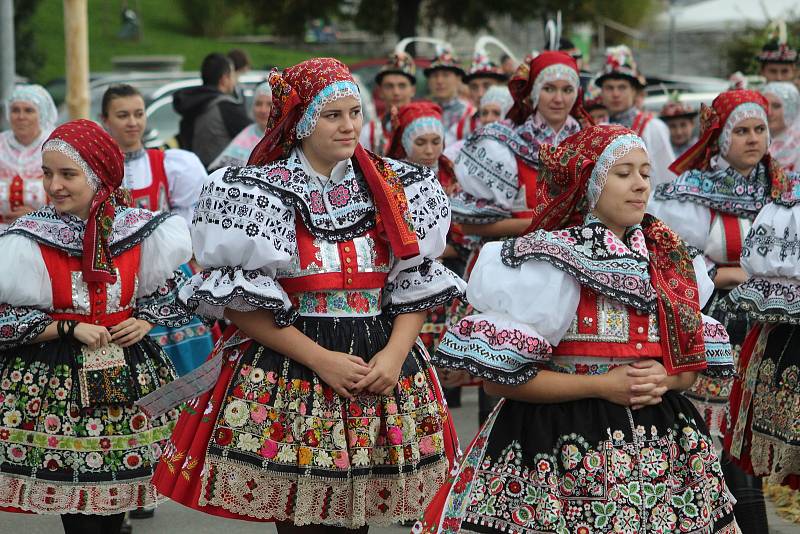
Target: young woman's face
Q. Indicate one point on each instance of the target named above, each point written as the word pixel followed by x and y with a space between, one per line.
pixel 776 119
pixel 336 134
pixel 748 145
pixel 262 107
pixel 426 150
pixel 555 101
pixel 624 197
pixel 126 121
pixel 490 113
pixel 24 121
pixel 66 184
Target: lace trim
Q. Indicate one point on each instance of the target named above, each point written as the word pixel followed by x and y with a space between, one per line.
pixel 418 127
pixel 48 497
pixel 444 297
pixel 61 146
pixel 748 110
pixel 162 307
pixel 773 459
pixel 618 149
pixel 350 503
pixel 331 93
pixel 559 71
pixel 20 326
pixel 765 301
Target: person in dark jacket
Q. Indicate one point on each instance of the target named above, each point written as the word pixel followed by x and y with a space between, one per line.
pixel 211 115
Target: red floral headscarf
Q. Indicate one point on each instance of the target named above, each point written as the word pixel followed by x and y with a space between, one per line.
pixel 298 96
pixel 101 160
pixel 524 80
pixel 713 122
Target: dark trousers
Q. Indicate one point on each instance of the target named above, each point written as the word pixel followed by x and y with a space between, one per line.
pixel 92 524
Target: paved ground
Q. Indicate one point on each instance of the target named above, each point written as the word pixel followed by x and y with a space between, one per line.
pixel 175 519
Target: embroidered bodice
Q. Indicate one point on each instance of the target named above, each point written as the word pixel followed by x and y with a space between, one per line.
pixel 20 174
pixel 283 238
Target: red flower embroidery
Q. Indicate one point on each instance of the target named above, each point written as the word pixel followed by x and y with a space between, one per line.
pixel 223 436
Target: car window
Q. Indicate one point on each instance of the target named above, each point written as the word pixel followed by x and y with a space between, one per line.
pixel 163 123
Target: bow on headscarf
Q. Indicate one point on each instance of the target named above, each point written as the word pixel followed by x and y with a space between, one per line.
pixel 298 97
pixel 527 82
pixel 571 178
pixel 411 121
pixel 716 124
pixel 101 160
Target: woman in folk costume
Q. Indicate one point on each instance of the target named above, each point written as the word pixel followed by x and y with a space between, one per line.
pixel 326 415
pixel 32 114
pixel 239 149
pixel 765 402
pixel 588 326
pixel 724 180
pixel 784 128
pixel 498 164
pixel 95 276
pixel 495 103
pixel 159 180
pixel 418 137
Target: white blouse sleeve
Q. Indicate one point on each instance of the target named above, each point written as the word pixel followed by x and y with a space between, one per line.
pixel 487 169
pixel 163 252
pixel 241 236
pixel 691 221
pixel 185 175
pixel 771 256
pixel 31 287
pixel 705 286
pixel 422 282
pixel 524 312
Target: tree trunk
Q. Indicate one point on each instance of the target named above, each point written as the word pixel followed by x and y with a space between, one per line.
pixel 407 20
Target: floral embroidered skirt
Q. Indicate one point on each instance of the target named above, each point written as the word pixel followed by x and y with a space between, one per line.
pixel 710 395
pixel 587 467
pixel 58 456
pixel 272 442
pixel 765 405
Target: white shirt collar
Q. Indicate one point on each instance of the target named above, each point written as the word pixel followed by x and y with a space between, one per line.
pixel 337 174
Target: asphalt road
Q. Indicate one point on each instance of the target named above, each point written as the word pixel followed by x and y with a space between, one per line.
pixel 171 518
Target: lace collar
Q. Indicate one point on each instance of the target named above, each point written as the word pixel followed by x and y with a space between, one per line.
pixel 134 155
pixel 625 118
pixel 721 188
pixel 593 255
pixel 65 232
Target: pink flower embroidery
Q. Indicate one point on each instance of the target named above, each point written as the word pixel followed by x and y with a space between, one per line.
pixel 339 196
pixel 269 449
pixel 395 436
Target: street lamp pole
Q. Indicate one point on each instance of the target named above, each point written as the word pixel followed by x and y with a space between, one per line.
pixel 76 36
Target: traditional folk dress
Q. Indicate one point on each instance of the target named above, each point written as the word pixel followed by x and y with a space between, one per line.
pixel 712 207
pixel 169 181
pixel 456 108
pixel 270 441
pixel 575 298
pixel 765 402
pixel 71 439
pixel 21 166
pixel 498 96
pixel 413 120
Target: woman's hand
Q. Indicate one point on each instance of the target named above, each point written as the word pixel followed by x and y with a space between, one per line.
pixel 633 386
pixel 729 277
pixel 92 335
pixel 341 371
pixel 130 331
pixel 384 372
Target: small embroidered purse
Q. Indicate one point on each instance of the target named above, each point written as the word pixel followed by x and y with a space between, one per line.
pixel 104 377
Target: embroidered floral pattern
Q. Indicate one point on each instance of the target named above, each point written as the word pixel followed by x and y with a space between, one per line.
pixel 337 302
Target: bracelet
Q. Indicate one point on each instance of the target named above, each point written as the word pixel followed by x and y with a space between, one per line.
pixel 60 329
pixel 72 326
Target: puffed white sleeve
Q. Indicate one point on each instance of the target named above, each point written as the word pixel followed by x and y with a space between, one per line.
pixel 185 175
pixel 241 235
pixel 523 312
pixel 24 299
pixel 771 256
pixel 422 282
pixel 487 172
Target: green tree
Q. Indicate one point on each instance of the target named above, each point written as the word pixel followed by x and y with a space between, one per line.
pixel 29 56
pixel 744 45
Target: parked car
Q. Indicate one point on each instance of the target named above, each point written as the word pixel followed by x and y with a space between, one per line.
pixel 654 103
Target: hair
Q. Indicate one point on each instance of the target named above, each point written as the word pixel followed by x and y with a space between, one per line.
pixel 565 44
pixel 504 58
pixel 240 58
pixel 214 67
pixel 122 90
